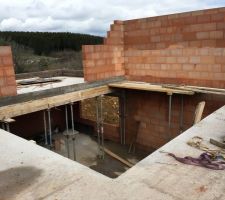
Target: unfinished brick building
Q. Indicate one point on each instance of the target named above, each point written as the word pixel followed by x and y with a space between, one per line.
pixel 160 68
pixel 186 48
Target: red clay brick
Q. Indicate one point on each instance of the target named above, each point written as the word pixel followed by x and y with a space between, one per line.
pixel 202 35
pixel 5 51
pixel 7 60
pixel 216 34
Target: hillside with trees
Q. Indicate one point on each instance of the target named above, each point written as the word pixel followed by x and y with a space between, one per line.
pixel 46 42
pixel 36 51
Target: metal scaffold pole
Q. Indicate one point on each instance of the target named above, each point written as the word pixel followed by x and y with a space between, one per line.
pixel 169 116
pixel 99 125
pixel 73 133
pixel 102 127
pixel 50 127
pixel 45 128
pixel 67 132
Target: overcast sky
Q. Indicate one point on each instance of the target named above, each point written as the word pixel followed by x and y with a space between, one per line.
pixel 82 16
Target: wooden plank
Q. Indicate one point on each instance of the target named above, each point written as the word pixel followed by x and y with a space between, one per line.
pixel 207 88
pixel 118 157
pixel 149 87
pixel 49 102
pixel 193 89
pixel 199 111
pixel 217 143
pixel 7 120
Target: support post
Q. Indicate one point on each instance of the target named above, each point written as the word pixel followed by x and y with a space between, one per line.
pixel 3 125
pixel 7 127
pixel 97 123
pixel 74 137
pixel 67 132
pixel 181 113
pixel 50 127
pixel 169 115
pixel 45 128
pixel 101 127
pixel 123 117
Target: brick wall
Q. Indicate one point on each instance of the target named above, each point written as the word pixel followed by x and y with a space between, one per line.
pixel 193 66
pixel 180 48
pixel 105 61
pixel 190 29
pixel 185 48
pixel 102 61
pixel 152 109
pixel 7 74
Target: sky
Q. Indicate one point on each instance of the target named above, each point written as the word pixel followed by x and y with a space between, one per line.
pixel 91 17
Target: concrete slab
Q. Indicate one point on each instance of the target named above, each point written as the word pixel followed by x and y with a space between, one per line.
pixel 65 81
pixel 28 171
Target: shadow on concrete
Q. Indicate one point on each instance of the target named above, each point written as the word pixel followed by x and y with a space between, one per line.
pixel 15 180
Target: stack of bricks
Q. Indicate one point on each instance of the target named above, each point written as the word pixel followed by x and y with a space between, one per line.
pixel 105 61
pixel 7 74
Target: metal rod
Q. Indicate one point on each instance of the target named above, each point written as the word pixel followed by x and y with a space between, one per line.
pixel 7 127
pixel 102 128
pixel 67 131
pixel 181 113
pixel 97 123
pixel 45 128
pixel 124 115
pixel 121 118
pixel 66 116
pixel 72 121
pixel 50 128
pixel 169 121
pixel 74 150
pixel 3 125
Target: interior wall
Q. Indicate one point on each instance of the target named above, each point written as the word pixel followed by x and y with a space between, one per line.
pixel 32 124
pixel 152 109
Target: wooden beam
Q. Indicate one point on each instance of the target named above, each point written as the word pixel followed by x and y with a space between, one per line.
pixel 7 120
pixel 196 89
pixel 118 158
pixel 149 87
pixel 49 102
pixel 199 111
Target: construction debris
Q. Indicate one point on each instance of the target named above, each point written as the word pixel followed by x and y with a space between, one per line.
pixel 204 160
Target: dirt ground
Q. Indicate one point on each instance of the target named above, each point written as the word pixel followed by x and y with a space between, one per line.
pixel 86 149
pixel 110 109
